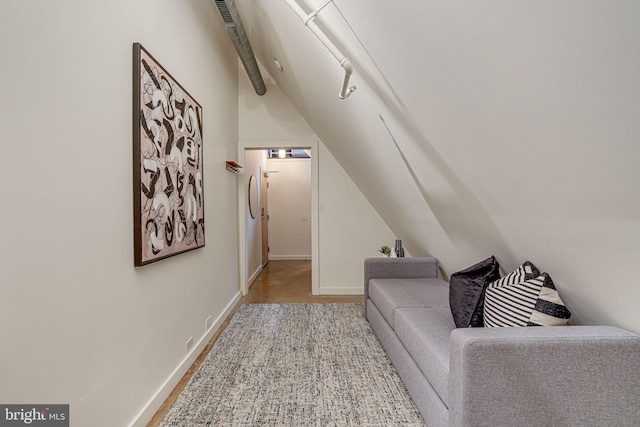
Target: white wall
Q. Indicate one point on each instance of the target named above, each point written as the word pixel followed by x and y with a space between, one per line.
pixel 79 324
pixel 356 231
pixel 289 209
pixel 510 128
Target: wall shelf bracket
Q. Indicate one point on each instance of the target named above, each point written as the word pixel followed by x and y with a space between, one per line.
pixel 233 166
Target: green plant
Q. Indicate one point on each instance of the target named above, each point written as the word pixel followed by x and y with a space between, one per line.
pixel 386 250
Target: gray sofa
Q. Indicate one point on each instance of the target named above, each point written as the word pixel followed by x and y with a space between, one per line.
pixel 530 376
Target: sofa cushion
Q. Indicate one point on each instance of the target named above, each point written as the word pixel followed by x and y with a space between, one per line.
pixel 466 292
pixel 389 294
pixel 534 302
pixel 425 334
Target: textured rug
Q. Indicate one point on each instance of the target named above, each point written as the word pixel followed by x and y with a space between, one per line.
pixel 295 365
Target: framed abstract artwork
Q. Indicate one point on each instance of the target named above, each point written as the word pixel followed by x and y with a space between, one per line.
pixel 168 194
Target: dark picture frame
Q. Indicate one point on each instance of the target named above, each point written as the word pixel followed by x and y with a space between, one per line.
pixel 168 185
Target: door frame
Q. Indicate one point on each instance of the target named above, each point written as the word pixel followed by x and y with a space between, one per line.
pixel 307 144
pixel 264 216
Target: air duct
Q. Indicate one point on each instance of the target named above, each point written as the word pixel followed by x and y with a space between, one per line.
pixel 233 24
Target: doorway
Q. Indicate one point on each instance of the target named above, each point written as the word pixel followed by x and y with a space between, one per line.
pixel 245 148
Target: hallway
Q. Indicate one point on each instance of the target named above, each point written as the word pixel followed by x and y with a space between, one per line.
pixel 280 282
pixel 289 282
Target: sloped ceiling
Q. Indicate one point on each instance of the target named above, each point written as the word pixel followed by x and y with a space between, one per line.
pixel 480 128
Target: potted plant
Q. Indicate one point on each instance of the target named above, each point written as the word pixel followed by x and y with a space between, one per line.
pixel 385 250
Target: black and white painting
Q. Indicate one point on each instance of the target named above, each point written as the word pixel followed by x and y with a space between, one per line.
pixel 167 164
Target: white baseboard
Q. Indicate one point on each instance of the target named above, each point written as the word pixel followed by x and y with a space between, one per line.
pixel 340 291
pixel 289 257
pixel 152 406
pixel 255 275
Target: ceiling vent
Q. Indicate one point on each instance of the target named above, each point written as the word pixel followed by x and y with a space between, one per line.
pixel 233 24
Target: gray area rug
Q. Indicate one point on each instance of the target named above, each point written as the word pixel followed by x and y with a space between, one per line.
pixel 295 365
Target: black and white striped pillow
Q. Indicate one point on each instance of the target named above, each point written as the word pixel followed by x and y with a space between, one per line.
pixel 525 272
pixel 533 302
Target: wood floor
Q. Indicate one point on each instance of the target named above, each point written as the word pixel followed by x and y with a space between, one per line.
pixel 280 282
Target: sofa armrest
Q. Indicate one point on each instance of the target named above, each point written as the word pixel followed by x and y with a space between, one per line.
pixel 398 268
pixel 560 376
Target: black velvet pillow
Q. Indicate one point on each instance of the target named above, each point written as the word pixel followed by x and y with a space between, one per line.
pixel 466 292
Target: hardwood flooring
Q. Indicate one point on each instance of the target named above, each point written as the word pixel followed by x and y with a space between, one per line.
pixel 283 282
pixel 280 282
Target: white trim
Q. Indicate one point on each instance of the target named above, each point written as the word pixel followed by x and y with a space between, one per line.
pixel 342 291
pixel 312 146
pixel 149 410
pixel 315 222
pixel 255 275
pixel 289 257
